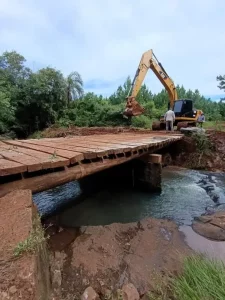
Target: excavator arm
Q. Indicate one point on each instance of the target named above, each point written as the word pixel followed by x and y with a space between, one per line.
pixel 148 61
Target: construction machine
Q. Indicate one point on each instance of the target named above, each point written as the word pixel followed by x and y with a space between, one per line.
pixel 185 115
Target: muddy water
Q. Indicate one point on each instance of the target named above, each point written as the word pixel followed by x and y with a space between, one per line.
pixel 185 195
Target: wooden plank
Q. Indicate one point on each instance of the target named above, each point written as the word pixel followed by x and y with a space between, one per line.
pixel 99 142
pixel 72 155
pixel 45 160
pixel 117 143
pixel 93 148
pixel 109 147
pixel 2 144
pixel 88 154
pixel 133 139
pixel 31 163
pixel 113 139
pixel 143 140
pixel 6 146
pixel 8 167
pixel 98 147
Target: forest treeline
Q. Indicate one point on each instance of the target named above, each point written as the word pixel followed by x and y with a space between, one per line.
pixel 31 101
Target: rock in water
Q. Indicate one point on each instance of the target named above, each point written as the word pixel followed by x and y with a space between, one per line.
pixel 129 292
pixel 212 227
pixel 90 294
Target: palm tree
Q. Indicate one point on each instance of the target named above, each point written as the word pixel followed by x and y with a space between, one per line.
pixel 74 84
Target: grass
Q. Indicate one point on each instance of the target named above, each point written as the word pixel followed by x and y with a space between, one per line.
pixel 54 155
pixel 33 242
pixel 202 279
pixel 36 135
pixel 203 144
pixel 217 125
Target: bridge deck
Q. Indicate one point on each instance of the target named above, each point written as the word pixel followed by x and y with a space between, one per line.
pixel 31 158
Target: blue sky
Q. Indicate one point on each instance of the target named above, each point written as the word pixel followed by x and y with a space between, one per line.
pixel 103 40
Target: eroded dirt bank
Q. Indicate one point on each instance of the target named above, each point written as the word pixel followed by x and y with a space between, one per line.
pixel 24 273
pixel 206 152
pixel 107 257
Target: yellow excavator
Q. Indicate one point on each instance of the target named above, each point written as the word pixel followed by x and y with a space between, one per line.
pixel 185 115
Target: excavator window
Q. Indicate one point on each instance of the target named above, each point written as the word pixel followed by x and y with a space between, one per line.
pixel 178 106
pixel 183 108
pixel 188 106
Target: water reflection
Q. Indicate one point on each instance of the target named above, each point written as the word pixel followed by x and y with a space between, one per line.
pixel 51 201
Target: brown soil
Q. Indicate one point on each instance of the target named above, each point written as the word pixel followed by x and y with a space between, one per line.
pixel 16 275
pixel 106 257
pixel 54 131
pixel 187 155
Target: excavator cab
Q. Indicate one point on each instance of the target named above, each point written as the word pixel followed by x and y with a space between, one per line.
pixel 183 108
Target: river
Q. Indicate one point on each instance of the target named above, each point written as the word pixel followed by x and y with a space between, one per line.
pixel 185 195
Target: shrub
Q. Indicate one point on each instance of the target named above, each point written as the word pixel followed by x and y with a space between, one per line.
pixel 141 121
pixel 203 144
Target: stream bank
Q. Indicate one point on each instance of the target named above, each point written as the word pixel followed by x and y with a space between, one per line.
pixel 107 257
pixel 200 152
pixel 118 236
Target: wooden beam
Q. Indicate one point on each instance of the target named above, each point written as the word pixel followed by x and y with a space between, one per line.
pixel 51 180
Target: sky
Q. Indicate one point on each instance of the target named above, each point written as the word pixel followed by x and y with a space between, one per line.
pixel 103 40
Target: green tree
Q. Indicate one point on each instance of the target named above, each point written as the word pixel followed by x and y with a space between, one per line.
pixel 7 112
pixel 13 76
pixel 42 103
pixel 221 80
pixel 122 92
pixel 14 73
pixel 74 86
pixel 12 66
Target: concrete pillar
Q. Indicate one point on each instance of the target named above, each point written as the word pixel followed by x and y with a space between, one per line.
pixel 148 173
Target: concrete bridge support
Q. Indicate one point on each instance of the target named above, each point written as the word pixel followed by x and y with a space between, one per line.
pixel 148 173
pixel 144 173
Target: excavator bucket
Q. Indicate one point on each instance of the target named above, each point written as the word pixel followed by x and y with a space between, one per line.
pixel 133 108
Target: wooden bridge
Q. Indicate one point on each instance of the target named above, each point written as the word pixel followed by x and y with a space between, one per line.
pixel 45 163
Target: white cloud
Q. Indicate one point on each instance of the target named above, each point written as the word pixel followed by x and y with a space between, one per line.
pixel 104 40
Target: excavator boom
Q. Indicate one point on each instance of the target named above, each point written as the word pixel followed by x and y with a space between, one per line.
pixel 148 61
